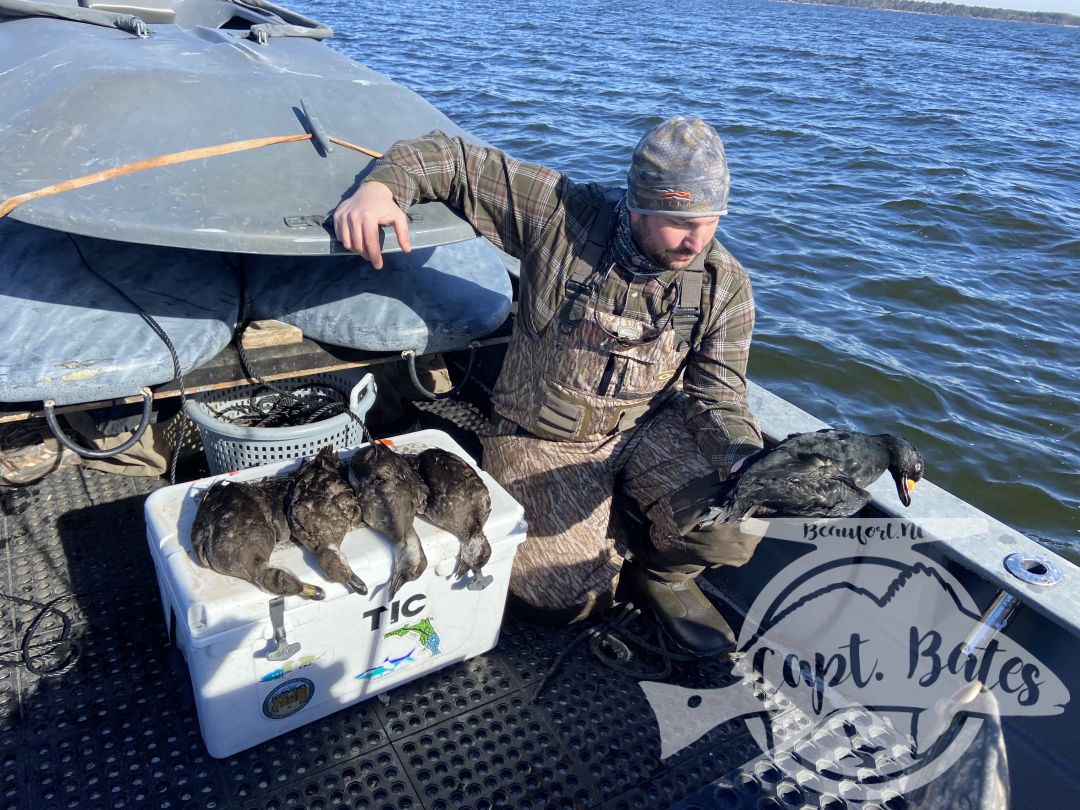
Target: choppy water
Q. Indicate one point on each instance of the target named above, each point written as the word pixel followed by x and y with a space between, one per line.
pixel 906 197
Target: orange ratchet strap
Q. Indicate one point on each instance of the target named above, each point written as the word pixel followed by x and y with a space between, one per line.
pixel 10 204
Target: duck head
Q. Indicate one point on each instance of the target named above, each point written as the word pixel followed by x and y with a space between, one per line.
pixel 376 465
pixel 905 466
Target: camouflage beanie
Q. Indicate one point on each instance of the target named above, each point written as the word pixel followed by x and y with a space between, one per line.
pixel 679 169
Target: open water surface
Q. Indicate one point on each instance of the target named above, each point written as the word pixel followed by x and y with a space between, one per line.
pixel 905 196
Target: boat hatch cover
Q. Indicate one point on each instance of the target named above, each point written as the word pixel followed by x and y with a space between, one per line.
pixel 79 98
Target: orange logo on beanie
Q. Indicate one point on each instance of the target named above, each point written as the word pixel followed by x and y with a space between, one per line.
pixel 677 195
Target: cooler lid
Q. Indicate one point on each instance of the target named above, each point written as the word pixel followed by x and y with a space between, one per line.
pixel 212 603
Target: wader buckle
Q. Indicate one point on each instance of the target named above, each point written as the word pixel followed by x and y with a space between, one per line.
pixel 573 311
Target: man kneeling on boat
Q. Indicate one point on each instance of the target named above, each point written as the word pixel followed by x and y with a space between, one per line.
pixel 625 380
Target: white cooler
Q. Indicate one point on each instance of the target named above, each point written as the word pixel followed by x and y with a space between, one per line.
pixel 251 683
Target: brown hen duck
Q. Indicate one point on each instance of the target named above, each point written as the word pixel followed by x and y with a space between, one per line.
pixel 236 527
pixel 391 495
pixel 321 508
pixel 458 501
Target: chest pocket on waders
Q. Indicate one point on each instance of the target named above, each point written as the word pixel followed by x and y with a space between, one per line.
pixel 596 384
pixel 635 376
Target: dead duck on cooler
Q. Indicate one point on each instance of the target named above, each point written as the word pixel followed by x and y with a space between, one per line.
pixel 458 501
pixel 236 528
pixel 818 474
pixel 391 495
pixel 321 508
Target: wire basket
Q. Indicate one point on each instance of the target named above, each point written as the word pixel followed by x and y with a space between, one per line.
pixel 235 447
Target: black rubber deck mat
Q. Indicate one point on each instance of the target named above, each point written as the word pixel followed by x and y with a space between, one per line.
pixel 501 755
pixel 118 728
pixel 807 765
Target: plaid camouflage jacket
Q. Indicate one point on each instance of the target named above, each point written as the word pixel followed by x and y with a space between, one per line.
pixel 543 218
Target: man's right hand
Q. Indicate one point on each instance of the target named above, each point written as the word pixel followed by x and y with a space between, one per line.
pixel 357 221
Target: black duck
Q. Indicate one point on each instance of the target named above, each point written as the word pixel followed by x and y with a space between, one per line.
pixel 391 495
pixel 819 474
pixel 321 508
pixel 459 502
pixel 236 527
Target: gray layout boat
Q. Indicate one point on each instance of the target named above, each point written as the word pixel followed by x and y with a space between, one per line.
pixel 181 159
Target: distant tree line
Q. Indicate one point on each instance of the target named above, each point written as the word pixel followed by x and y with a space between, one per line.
pixel 954 10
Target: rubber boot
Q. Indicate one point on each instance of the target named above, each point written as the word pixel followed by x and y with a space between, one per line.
pixel 664 579
pixel 684 612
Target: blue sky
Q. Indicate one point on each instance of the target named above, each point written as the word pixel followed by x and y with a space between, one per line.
pixel 1069 6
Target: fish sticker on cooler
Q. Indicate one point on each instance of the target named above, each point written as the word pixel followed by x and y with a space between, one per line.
pixel 401 648
pixel 290 666
pixel 387 666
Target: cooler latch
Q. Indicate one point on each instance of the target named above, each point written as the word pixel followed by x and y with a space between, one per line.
pixel 283 650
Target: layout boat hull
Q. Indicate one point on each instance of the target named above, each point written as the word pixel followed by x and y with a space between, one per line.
pixel 184 242
pixel 77 98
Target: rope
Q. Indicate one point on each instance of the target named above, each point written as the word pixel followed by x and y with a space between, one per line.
pixel 280 407
pixel 29 654
pixel 284 407
pixel 610 641
pixel 178 377
pixel 171 159
pixel 354 147
pixel 157 329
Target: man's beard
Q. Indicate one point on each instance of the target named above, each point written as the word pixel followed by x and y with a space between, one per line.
pixel 669 259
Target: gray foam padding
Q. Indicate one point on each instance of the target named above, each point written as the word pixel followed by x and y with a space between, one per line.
pixel 67 333
pixel 429 300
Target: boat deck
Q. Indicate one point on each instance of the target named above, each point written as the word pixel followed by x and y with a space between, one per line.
pixel 119 728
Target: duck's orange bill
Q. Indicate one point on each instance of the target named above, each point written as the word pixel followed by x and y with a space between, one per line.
pixel 385 442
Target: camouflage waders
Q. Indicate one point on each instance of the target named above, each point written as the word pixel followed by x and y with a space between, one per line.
pixel 596 405
pixel 576 544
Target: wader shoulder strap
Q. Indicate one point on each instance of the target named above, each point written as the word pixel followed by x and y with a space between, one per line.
pixel 688 306
pixel 578 289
